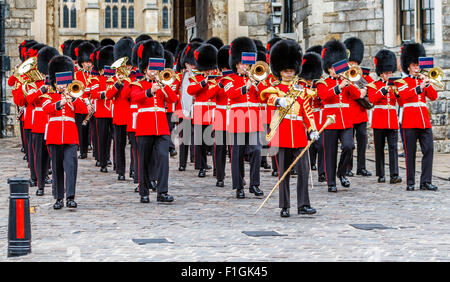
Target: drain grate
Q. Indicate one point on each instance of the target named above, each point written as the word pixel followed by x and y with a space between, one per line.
pixel 370 226
pixel 262 233
pixel 151 241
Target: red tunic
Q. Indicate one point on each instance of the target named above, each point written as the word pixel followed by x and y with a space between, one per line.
pixel 203 92
pixel 415 113
pixel 244 111
pixel 61 128
pixel 337 103
pixel 39 118
pixel 84 77
pixel 103 107
pixel 151 118
pixel 121 104
pixel 384 114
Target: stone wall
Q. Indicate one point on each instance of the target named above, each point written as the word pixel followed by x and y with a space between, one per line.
pixel 17 29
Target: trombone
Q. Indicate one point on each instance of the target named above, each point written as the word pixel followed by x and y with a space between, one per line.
pixel 435 75
pixel 166 77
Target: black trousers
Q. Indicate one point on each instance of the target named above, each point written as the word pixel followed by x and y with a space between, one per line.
pixel 285 158
pixel 220 153
pixel 425 138
pixel 104 126
pixel 31 162
pixel 249 144
pixel 201 139
pixel 133 155
pixel 316 153
pixel 41 158
pixel 330 147
pixel 360 132
pixel 120 142
pixel 22 137
pixel 83 133
pixel 64 161
pixel 379 137
pixel 94 137
pixel 153 147
pixel 186 141
pixel 171 127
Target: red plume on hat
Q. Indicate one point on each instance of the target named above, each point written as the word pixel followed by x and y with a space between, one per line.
pixel 139 52
pixel 76 51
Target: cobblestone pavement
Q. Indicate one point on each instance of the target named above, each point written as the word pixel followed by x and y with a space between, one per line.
pixel 205 223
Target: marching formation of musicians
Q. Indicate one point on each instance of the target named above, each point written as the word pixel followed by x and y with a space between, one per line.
pixel 240 103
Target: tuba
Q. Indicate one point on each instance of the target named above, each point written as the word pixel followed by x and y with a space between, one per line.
pixel 121 68
pixel 435 75
pixel 30 71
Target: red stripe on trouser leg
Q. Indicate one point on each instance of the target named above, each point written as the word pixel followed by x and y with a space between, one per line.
pixel 20 226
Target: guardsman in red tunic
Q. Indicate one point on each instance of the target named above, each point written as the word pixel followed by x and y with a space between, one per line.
pixel 413 91
pixel 311 73
pixel 245 124
pixel 103 108
pixel 83 53
pixel 384 117
pixel 221 136
pixel 36 96
pixel 119 93
pixel 73 52
pixel 94 83
pixel 203 89
pixel 355 46
pixel 152 129
pixel 61 132
pixel 291 136
pixel 336 93
pixel 186 64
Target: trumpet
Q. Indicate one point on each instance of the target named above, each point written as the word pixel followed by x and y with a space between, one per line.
pixel 260 71
pixel 435 75
pixel 166 77
pixel 121 68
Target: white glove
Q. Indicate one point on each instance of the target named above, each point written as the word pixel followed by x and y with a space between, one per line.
pixel 282 102
pixel 314 135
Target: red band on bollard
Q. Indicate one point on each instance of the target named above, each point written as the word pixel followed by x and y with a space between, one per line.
pixel 20 225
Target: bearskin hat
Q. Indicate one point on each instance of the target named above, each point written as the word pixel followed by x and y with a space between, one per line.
pixel 410 54
pixel 168 56
pixel 216 41
pixel 285 54
pixel 187 57
pixel 73 46
pixel 149 49
pixel 107 41
pixel 94 42
pixel 33 50
pixel 196 39
pixel 178 53
pixel 83 52
pixel 385 60
pixel 24 46
pixel 206 57
pixel 105 57
pixel 94 56
pixel 65 47
pixel 134 55
pixel 259 45
pixel 316 49
pixel 333 51
pixel 142 37
pixel 356 48
pixel 44 57
pixel 237 47
pixel 123 48
pixel 269 46
pixel 58 64
pixel 312 66
pixel 223 55
pixel 171 45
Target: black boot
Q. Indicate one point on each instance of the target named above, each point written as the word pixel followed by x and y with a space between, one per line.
pixel 363 172
pixel 306 210
pixel 240 193
pixel 344 181
pixel 59 204
pixel 70 203
pixel 428 186
pixel 164 197
pixel 40 192
pixel 284 212
pixel 153 185
pixel 322 178
pixel 255 190
pixel 395 179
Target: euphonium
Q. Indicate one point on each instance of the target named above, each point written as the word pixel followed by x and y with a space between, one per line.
pixel 166 76
pixel 435 75
pixel 75 89
pixel 29 69
pixel 260 71
pixel 121 68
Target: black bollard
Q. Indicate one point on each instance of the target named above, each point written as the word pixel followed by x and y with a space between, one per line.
pixel 19 227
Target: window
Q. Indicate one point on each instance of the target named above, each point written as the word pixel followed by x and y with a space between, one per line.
pixel 288 10
pixel 123 17
pixel 427 20
pixel 69 14
pixel 417 20
pixel 165 18
pixel 113 17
